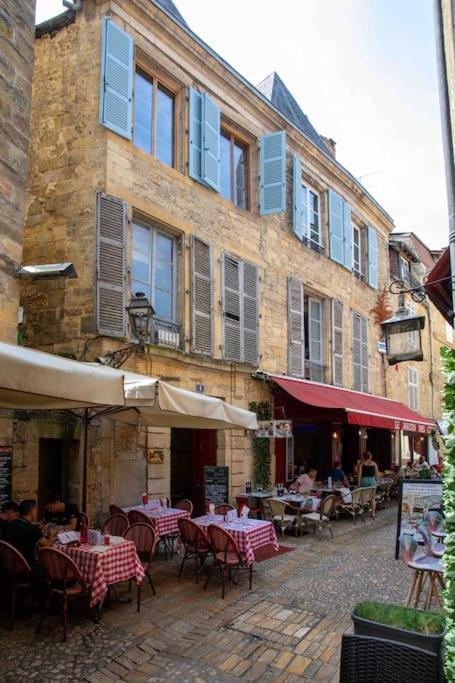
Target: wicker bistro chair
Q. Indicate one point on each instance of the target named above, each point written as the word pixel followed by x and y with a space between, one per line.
pixel 115 510
pixel 145 540
pixel 368 495
pixel 355 507
pixel 138 517
pixel 64 581
pixel 431 548
pixel 223 508
pixel 116 525
pixel 19 573
pixel 227 556
pixel 426 569
pixel 282 519
pixel 321 519
pixel 195 544
pixel 184 504
pixel 241 501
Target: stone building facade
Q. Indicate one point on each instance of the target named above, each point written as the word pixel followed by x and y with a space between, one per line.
pixel 17 20
pixel 172 175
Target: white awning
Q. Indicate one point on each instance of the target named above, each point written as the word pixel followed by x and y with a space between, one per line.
pixel 33 380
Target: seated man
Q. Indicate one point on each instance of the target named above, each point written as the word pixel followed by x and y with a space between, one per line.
pixel 9 512
pixel 305 482
pixel 62 514
pixel 25 535
pixel 338 475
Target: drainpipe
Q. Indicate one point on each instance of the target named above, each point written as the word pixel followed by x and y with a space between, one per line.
pixel 447 133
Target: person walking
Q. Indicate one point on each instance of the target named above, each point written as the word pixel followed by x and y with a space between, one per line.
pixel 368 476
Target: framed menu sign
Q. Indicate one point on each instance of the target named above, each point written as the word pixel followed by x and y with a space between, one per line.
pixel 216 485
pixel 6 468
pixel 416 498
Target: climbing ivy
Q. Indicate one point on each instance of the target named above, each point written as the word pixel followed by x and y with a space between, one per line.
pixel 448 356
pixel 262 459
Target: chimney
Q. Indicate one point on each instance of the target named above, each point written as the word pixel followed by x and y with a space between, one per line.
pixel 331 146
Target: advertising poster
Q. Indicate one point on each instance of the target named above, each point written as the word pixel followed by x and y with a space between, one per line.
pixel 274 429
pixel 417 497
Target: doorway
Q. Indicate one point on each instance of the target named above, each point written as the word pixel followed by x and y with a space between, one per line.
pixel 57 470
pixel 191 451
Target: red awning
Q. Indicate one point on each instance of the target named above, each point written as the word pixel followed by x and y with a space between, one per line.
pixel 361 409
pixel 439 292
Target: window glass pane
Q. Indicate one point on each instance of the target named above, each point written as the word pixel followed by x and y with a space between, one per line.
pixel 225 166
pixel 140 265
pixel 163 304
pixel 304 206
pixel 165 127
pixel 164 276
pixel 142 130
pixel 240 175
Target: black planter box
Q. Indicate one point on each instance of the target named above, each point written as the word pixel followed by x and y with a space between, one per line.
pixel 425 641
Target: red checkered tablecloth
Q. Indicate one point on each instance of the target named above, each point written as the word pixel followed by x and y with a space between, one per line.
pixel 101 569
pixel 164 519
pixel 250 534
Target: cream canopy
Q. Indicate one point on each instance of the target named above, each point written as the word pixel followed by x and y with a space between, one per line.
pixel 32 379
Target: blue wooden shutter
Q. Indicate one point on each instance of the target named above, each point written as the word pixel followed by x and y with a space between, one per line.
pixel 336 227
pixel 117 76
pixel 297 223
pixel 372 257
pixel 211 143
pixel 195 135
pixel 272 171
pixel 347 231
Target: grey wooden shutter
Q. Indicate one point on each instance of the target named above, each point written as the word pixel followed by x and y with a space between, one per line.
pixel 297 223
pixel 356 353
pixel 272 172
pixel 111 224
pixel 337 342
pixel 250 325
pixel 201 297
pixel 364 352
pixel 117 77
pixel 296 331
pixel 231 309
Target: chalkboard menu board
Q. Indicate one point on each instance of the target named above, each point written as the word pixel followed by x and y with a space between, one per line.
pixel 6 458
pixel 216 485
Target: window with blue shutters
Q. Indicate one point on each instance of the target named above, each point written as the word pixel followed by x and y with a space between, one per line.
pixel 340 230
pixel 372 257
pixel 116 87
pixel 204 140
pixel 272 172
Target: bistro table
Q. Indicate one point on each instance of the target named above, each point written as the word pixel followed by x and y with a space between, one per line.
pixel 102 566
pixel 164 519
pixel 250 534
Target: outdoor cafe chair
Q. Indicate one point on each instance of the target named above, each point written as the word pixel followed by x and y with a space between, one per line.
pixel 138 517
pixel 195 544
pixel 321 519
pixel 430 547
pixel 20 575
pixel 280 517
pixel 354 507
pixel 145 540
pixel 223 508
pixel 367 497
pixel 83 517
pixel 227 556
pixel 426 569
pixel 244 501
pixel 115 510
pixel 64 581
pixel 184 504
pixel 116 525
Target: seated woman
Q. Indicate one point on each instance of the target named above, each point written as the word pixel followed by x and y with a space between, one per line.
pixel 305 482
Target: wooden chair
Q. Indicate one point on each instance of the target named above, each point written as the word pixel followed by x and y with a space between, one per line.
pixel 19 573
pixel 115 525
pixel 321 519
pixel 426 570
pixel 115 510
pixel 354 508
pixel 184 504
pixel 138 517
pixel 280 517
pixel 64 581
pixel 144 538
pixel 195 543
pixel 227 555
pixel 223 508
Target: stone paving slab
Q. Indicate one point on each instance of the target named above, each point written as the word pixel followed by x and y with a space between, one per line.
pixel 288 628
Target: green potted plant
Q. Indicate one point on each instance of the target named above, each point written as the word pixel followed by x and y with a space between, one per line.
pixel 414 627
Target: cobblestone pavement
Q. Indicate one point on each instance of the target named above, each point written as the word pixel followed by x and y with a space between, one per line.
pixel 287 628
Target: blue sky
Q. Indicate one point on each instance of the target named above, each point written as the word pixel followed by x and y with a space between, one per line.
pixel 363 71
